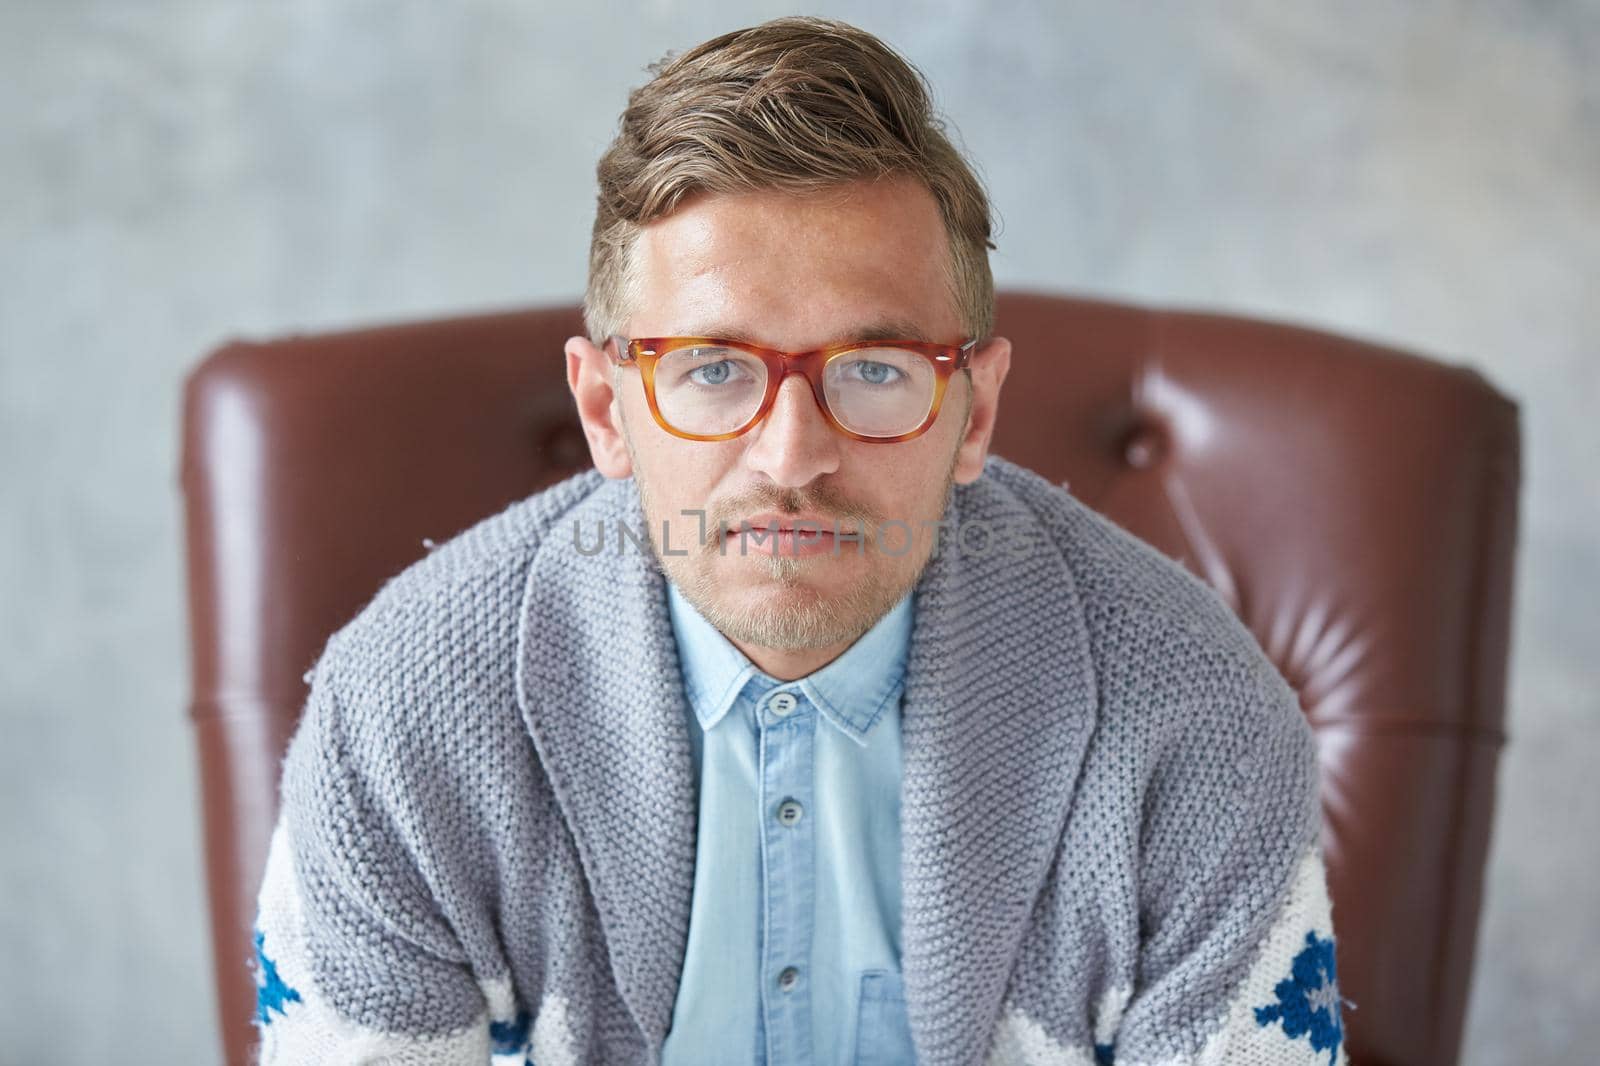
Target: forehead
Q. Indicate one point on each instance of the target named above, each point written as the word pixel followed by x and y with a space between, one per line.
pixel 797 270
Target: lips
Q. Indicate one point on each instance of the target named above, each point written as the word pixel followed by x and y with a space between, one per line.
pixel 787 523
pixel 790 536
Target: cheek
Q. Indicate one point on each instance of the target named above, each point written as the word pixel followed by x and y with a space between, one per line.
pixel 952 419
pixel 908 485
pixel 681 473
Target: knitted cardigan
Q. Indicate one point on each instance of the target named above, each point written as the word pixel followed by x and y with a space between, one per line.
pixel 1110 816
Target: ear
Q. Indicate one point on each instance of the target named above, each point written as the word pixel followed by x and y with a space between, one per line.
pixel 989 363
pixel 589 378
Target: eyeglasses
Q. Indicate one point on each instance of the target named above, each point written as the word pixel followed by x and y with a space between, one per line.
pixel 705 388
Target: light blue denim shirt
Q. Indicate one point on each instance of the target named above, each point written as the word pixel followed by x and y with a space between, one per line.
pixel 794 930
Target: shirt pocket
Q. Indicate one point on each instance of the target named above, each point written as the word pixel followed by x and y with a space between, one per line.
pixel 883 1033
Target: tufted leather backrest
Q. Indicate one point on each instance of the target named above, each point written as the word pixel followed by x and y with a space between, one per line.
pixel 1356 505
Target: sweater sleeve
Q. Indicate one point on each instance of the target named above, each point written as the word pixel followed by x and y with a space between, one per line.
pixel 354 962
pixel 1238 958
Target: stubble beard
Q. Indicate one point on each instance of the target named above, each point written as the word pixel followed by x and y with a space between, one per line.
pixel 792 614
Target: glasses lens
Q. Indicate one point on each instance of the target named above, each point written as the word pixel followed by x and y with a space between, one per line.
pixel 707 391
pixel 879 392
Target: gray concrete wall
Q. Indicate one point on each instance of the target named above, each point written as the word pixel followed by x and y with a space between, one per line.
pixel 174 173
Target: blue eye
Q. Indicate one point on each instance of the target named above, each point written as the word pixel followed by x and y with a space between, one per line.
pixel 875 373
pixel 712 373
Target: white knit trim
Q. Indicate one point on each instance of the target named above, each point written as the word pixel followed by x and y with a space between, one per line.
pixel 552 1034
pixel 502 1000
pixel 1020 1041
pixel 1241 1041
pixel 309 1032
pixel 1106 1020
pixel 550 1042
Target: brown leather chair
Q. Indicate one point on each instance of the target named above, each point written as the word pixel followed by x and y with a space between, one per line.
pixel 1356 505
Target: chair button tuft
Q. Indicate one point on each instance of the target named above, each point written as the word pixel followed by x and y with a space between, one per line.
pixel 1144 448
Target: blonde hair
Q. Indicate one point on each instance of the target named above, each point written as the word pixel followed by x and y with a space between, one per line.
pixel 797 104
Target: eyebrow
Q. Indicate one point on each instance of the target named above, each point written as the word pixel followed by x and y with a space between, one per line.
pixel 886 330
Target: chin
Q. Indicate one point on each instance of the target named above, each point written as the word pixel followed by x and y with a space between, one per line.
pixel 787 603
pixel 751 584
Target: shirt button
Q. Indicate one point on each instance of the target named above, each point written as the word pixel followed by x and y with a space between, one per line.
pixel 781 703
pixel 789 812
pixel 788 978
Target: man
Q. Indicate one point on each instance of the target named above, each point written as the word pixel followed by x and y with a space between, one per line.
pixel 738 748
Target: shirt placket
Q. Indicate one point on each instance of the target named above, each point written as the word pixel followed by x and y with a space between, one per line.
pixel 788 874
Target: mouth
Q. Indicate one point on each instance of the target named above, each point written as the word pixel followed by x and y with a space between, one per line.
pixel 773 534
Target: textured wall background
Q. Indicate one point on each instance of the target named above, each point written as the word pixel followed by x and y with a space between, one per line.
pixel 172 173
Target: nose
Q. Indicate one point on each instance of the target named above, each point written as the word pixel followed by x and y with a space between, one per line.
pixel 793 445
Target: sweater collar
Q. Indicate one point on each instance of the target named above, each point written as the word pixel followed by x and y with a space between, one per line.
pixel 999 703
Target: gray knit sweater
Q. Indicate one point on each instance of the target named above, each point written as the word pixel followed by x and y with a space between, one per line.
pixel 1109 808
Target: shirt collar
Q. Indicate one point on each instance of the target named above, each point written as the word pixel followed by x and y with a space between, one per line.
pixel 851 692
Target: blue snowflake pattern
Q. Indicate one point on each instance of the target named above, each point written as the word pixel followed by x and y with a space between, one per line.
pixel 271 991
pixel 1308 1001
pixel 509 1038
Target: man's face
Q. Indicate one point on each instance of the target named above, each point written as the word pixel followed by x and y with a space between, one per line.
pixel 794 272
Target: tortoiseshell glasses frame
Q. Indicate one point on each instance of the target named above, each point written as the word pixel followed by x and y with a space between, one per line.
pixel 646 352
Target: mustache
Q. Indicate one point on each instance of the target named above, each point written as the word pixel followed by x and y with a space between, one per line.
pixel 835 508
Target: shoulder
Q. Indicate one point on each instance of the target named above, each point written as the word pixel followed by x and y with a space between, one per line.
pixel 1187 698
pixel 440 636
pixel 1130 592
